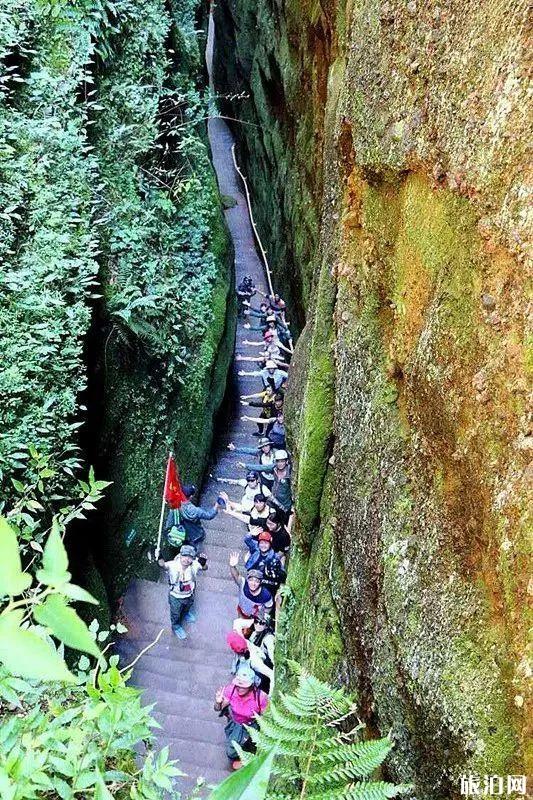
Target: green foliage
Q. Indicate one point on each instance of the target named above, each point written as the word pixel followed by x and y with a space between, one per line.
pixel 104 177
pixel 78 742
pixel 250 782
pixel 30 611
pixel 75 731
pixel 48 247
pixel 158 208
pixel 320 755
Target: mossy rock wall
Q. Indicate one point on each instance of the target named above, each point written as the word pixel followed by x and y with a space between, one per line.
pixel 163 334
pixel 145 415
pixel 404 125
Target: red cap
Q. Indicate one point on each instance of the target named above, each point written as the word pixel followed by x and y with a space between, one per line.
pixel 237 642
pixel 268 335
pixel 264 536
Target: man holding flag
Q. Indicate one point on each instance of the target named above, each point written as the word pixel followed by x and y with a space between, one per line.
pixel 178 497
pixel 191 516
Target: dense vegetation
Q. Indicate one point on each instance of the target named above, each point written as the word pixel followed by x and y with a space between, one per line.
pixel 75 727
pixel 112 250
pixel 104 175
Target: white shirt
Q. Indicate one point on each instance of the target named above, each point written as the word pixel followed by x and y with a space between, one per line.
pixel 182 581
pixel 247 502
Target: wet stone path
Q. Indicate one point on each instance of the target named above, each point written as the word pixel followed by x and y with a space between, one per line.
pixel 182 676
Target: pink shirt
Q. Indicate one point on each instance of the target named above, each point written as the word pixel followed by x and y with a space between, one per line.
pixel 244 708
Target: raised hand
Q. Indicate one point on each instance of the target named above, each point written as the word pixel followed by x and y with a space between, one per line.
pixel 234 558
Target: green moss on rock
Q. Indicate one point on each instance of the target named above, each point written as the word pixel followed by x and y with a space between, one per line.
pixel 401 128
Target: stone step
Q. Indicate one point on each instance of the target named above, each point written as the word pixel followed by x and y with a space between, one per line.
pixel 200 632
pixel 203 754
pixel 198 730
pixel 170 659
pixel 165 661
pixel 192 679
pixel 180 705
pixel 188 785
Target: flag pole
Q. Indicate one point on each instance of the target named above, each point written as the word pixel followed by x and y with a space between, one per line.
pixel 161 518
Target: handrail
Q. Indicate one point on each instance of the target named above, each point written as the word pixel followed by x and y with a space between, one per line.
pixel 252 220
pixel 256 232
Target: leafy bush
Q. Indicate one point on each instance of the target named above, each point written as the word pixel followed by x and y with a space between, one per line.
pixel 47 244
pixel 75 730
pixel 104 176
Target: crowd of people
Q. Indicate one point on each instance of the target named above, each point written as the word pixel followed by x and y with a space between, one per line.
pixel 264 507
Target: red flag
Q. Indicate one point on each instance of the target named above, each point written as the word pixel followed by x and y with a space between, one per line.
pixel 173 492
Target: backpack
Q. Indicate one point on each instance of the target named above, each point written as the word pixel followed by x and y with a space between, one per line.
pixel 176 532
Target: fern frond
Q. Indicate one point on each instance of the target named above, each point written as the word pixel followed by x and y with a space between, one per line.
pixel 365 790
pixel 291 722
pixel 276 733
pixel 321 761
pixel 364 757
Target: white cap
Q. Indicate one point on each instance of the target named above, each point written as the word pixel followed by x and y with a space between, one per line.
pixel 281 455
pixel 271 318
pixel 270 364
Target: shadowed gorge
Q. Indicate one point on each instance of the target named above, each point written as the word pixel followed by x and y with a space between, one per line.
pixel 374 564
pixel 390 177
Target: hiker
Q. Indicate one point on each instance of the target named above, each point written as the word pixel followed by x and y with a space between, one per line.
pixel 272 352
pixel 241 658
pixel 281 496
pixel 260 646
pixel 252 486
pixel 250 654
pixel 263 557
pixel 275 300
pixel 265 401
pixel 241 702
pixel 252 596
pixel 275 427
pixel 265 454
pixel 263 450
pixel 270 337
pixel 245 290
pixel 277 303
pixel 276 430
pixel 191 516
pixel 281 539
pixel 262 312
pixel 256 519
pixel 182 572
pixel 267 320
pixel 278 325
pixel 271 375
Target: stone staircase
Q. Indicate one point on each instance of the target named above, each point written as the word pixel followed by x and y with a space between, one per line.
pixel 181 676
